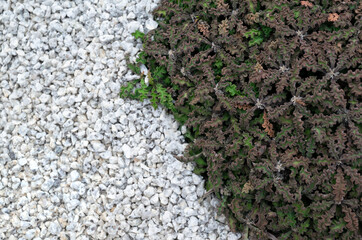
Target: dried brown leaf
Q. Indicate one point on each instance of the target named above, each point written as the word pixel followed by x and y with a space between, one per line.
pixel 221 5
pixel 332 17
pixel 247 187
pixel 258 67
pixel 253 17
pixel 243 106
pixel 267 125
pixel 300 102
pixel 223 27
pixel 306 3
pixel 204 28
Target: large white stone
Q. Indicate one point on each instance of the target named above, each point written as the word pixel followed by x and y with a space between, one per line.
pixel 133 26
pixel 151 24
pixel 74 175
pixel 149 192
pixel 22 161
pixel 106 38
pixel 54 228
pixel 127 151
pixel 166 217
pixel 98 146
pixel 129 191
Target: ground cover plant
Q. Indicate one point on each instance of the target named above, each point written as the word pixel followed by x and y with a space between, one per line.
pixel 270 92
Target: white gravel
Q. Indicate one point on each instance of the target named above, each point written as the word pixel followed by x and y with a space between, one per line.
pixel 76 161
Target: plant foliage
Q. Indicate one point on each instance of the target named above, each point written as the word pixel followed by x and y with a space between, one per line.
pixel 270 92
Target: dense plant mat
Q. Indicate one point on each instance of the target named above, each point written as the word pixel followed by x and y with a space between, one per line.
pixel 270 92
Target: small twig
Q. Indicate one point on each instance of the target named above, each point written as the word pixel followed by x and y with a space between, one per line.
pixel 187 159
pixel 206 194
pixel 246 233
pixel 255 228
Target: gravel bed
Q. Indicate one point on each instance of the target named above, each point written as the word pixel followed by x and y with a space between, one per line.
pixel 76 161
